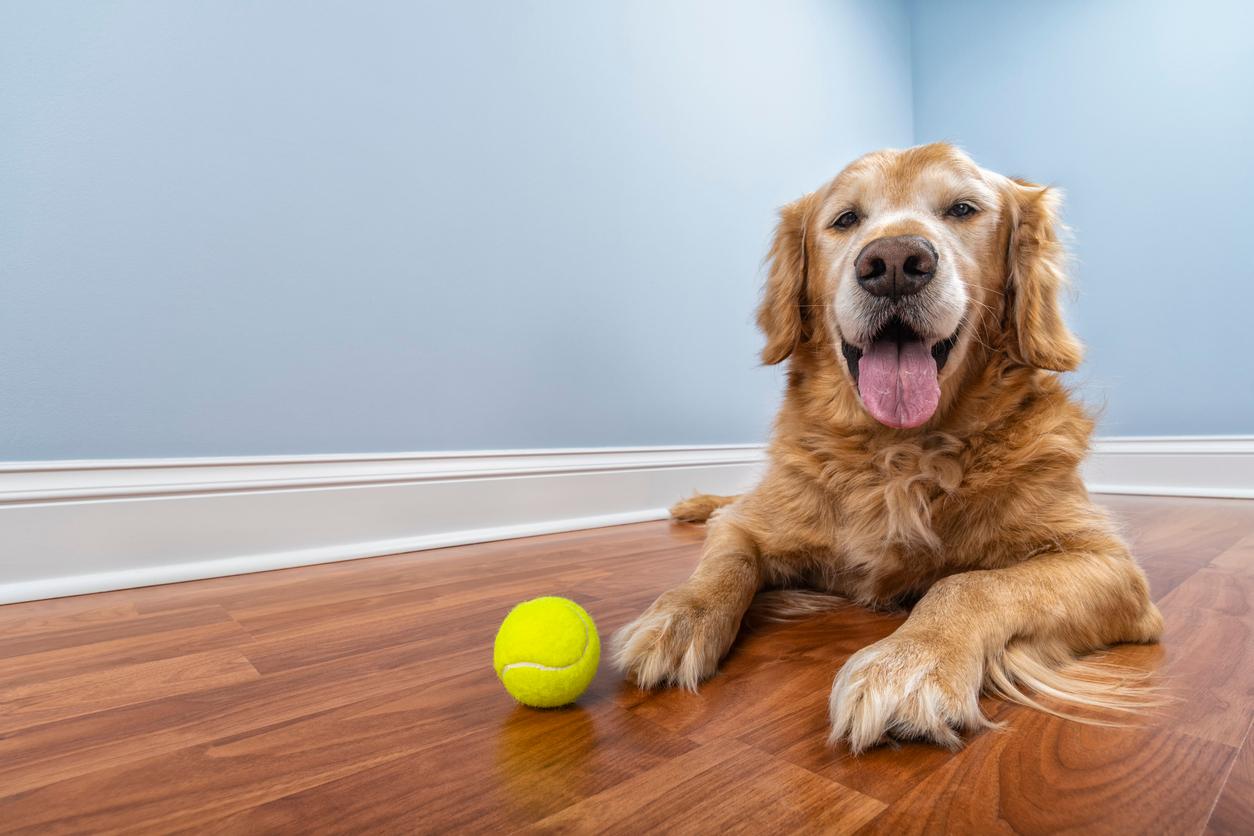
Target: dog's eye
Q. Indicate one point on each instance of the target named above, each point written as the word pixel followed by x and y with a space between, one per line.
pixel 961 209
pixel 846 220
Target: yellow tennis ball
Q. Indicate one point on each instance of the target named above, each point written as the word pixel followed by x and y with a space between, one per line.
pixel 546 652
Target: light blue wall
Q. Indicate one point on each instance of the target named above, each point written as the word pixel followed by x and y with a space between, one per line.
pixel 237 228
pixel 292 227
pixel 1143 112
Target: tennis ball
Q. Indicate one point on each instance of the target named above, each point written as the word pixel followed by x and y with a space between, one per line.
pixel 546 652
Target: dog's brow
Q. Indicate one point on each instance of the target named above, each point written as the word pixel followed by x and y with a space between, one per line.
pixel 959 184
pixel 850 184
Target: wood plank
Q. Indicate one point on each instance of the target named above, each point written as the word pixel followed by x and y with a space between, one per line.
pixel 1172 543
pixel 241 771
pixel 57 751
pixel 72 696
pixel 1234 811
pixel 1208 655
pixel 81 636
pixel 1239 558
pixel 46 616
pixel 100 647
pixel 523 765
pixel 723 787
pixel 1046 775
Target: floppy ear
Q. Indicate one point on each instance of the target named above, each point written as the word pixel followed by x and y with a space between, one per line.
pixel 784 314
pixel 1035 277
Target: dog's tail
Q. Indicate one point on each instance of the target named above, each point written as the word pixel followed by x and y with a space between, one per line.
pixel 1027 672
pixel 1045 676
pixel 779 605
pixel 699 507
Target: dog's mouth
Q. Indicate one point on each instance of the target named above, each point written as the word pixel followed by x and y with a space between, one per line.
pixel 898 374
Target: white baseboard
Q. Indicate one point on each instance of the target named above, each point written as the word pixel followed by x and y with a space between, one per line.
pixel 1205 466
pixel 68 528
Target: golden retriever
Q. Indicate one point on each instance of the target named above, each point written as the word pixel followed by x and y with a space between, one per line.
pixel 926 452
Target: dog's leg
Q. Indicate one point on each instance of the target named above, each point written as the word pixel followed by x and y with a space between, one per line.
pixel 680 639
pixel 699 507
pixel 924 681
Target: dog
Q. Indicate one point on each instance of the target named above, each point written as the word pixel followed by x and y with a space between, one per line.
pixel 926 453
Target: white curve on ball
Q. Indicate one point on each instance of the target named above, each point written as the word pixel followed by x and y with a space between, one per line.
pixel 578 659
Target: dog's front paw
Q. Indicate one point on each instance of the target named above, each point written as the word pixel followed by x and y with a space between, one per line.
pixel 909 688
pixel 679 640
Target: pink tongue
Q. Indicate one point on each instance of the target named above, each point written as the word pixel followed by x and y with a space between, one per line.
pixel 898 383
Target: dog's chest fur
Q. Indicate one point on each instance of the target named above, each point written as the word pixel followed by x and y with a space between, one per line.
pixel 881 516
pixel 886 521
pixel 895 516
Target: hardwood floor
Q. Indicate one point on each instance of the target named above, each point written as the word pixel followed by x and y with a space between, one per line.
pixel 359 697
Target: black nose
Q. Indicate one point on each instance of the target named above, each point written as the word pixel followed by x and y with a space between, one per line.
pixel 897 266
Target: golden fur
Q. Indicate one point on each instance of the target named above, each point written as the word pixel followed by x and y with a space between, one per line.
pixel 978 518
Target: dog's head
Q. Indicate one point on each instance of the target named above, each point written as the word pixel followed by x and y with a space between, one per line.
pixel 906 260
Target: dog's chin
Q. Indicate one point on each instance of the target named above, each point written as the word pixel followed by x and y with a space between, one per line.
pixel 898 373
